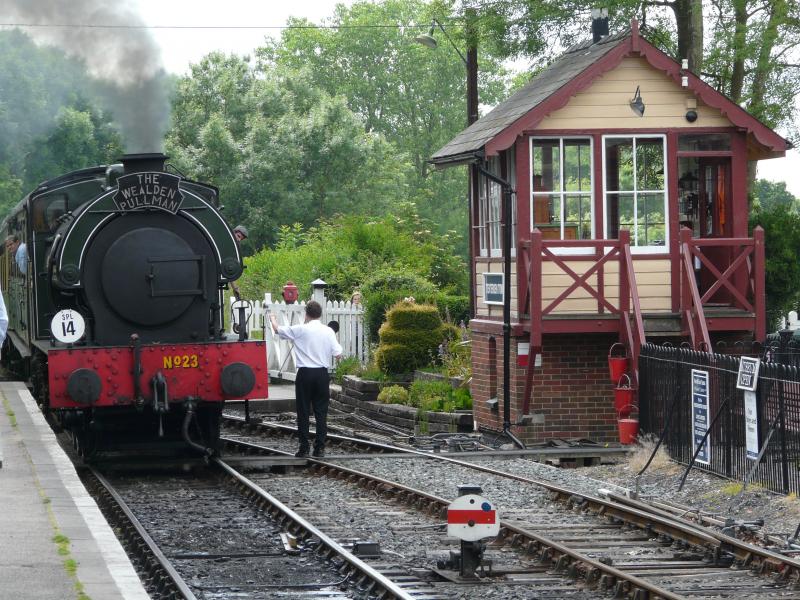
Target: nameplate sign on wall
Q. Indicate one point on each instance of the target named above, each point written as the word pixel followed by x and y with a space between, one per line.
pixel 700 413
pixel 493 288
pixel 747 379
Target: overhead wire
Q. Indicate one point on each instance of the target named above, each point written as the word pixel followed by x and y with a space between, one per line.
pixel 276 27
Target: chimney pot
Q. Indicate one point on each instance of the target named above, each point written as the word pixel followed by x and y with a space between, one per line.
pixel 599 24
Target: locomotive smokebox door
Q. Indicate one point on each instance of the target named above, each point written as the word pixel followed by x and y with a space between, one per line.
pixel 159 286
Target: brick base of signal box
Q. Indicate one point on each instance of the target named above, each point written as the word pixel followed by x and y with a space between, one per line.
pixel 573 396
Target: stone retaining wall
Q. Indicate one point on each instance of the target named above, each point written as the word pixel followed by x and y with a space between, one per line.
pixel 360 397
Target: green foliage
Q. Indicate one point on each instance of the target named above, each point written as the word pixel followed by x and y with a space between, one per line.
pixel 771 195
pixel 410 337
pixel 439 396
pixel 452 308
pixel 782 248
pixel 377 255
pixel 281 149
pixel 49 117
pixel 739 46
pixel 409 94
pixel 393 394
pixel 347 366
pixel 457 361
pixel 82 136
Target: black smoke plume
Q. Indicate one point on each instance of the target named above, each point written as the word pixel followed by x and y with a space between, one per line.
pixel 125 59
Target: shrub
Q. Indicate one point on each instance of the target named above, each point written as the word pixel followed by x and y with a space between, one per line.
pixel 393 394
pixel 346 366
pixel 410 337
pixel 462 399
pixel 452 309
pixel 429 395
pixel 457 361
pixel 439 396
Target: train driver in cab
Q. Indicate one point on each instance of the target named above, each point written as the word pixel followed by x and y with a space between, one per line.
pixel 240 233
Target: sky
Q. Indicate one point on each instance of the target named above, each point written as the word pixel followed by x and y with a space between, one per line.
pixel 182 47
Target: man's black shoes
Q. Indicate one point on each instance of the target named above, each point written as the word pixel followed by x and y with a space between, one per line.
pixel 302 453
pixel 319 453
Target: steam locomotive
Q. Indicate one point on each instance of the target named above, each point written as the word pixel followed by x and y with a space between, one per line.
pixel 113 278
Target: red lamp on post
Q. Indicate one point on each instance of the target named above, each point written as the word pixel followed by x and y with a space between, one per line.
pixel 289 292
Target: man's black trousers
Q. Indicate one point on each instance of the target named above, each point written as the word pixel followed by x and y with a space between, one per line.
pixel 312 390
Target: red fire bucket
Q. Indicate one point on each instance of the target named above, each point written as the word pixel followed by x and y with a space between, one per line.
pixel 623 396
pixel 628 428
pixel 617 364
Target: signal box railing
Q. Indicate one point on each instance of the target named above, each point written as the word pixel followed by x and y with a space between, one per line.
pixel 740 282
pixel 621 299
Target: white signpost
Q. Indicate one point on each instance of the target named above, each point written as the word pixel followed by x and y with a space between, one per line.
pixel 747 380
pixel 700 414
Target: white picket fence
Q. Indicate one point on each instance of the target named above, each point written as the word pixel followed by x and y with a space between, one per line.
pixel 280 353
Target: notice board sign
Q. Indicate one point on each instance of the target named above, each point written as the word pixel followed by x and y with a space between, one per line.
pixel 700 414
pixel 751 425
pixel 493 288
pixel 747 379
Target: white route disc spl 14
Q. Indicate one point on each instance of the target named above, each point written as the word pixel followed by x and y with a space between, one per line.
pixel 68 326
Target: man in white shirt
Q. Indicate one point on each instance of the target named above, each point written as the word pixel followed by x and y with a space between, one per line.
pixel 315 346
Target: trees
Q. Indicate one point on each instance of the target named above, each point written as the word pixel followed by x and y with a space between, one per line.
pixel 82 136
pixel 774 195
pixel 412 96
pixel 49 120
pixel 351 251
pixel 280 149
pixel 782 244
pixel 747 50
pixel 752 56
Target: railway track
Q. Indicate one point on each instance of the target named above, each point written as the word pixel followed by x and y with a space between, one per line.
pixel 219 535
pixel 630 547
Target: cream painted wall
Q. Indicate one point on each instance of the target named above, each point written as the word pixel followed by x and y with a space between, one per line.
pixel 605 104
pixel 652 279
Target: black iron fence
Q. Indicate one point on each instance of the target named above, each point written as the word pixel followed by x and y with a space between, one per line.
pixel 667 407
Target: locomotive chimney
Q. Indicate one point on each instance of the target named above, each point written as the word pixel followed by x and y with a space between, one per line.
pixel 138 163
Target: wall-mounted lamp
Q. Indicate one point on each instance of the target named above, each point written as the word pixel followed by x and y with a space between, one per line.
pixel 637 104
pixel 691 116
pixel 427 39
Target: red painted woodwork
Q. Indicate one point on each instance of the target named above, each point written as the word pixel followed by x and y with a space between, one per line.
pixel 628 307
pixel 742 279
pixel 198 378
pixel 637 45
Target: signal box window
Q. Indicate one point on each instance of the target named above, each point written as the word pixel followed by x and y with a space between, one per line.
pixel 561 188
pixel 635 189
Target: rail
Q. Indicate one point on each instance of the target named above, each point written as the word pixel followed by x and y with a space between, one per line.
pixel 637 514
pixel 386 587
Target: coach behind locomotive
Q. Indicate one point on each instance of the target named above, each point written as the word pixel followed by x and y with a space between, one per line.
pixel 119 320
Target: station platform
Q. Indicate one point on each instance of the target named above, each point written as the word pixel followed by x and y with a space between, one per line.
pixel 55 543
